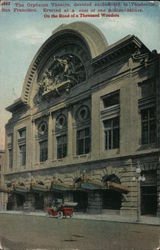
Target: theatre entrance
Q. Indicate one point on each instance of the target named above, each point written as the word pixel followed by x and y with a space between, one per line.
pixel 111 200
pixel 149 193
pixel 81 197
pixel 39 201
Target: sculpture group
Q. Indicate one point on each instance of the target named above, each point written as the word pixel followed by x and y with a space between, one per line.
pixel 64 73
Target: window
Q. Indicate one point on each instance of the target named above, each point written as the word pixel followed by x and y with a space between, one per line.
pixel 111 100
pixel 10 158
pixel 148 120
pixel 147 88
pixel 43 150
pixel 22 150
pixel 42 128
pixel 61 122
pixel 83 141
pixel 112 137
pixel 83 114
pixel 61 146
pixel 22 133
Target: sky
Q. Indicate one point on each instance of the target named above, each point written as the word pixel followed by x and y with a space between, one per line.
pixel 22 34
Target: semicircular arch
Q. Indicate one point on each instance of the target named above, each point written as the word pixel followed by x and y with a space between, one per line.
pixel 86 36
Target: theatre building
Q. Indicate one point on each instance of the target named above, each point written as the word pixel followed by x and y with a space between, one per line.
pixel 87 126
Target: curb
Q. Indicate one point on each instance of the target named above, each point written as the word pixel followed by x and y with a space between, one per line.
pixel 156 221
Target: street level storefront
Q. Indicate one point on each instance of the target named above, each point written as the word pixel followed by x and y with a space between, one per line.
pixel 92 192
pixel 87 119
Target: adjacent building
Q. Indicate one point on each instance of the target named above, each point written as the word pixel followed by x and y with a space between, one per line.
pixel 3 195
pixel 87 126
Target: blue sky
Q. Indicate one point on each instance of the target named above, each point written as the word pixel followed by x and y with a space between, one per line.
pixel 21 35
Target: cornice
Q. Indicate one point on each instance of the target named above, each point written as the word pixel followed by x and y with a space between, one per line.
pixel 126 45
pixel 18 104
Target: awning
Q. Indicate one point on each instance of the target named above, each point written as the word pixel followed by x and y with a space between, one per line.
pixel 61 187
pixel 21 189
pixel 86 182
pixel 40 188
pixel 91 185
pixel 117 187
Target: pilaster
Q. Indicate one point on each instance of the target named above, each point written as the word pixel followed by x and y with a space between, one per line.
pixel 70 134
pixel 54 140
pixel 50 140
pixel 95 126
pixel 33 141
pixel 94 202
pixel 29 204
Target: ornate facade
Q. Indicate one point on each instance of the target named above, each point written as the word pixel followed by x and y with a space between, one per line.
pixel 88 117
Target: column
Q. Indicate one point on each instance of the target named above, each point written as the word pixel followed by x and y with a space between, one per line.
pixel 94 202
pixel 68 196
pixel 48 197
pixel 29 204
pixel 34 146
pixel 15 149
pixel 54 140
pixel 50 140
pixel 70 135
pixel 95 127
pixel 129 200
pixel 129 116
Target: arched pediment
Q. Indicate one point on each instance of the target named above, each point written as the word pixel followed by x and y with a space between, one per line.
pixel 64 59
pixel 94 37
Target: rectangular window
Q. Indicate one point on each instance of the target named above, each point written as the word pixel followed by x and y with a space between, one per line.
pixel 22 133
pixel 112 137
pixel 22 150
pixel 148 120
pixel 83 141
pixel 10 158
pixel 43 150
pixel 61 146
pixel 147 88
pixel 111 100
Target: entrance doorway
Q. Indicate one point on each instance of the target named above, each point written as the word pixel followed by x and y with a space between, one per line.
pixel 148 200
pixel 15 201
pixel 111 199
pixel 20 201
pixel 39 201
pixel 81 197
pixel 149 193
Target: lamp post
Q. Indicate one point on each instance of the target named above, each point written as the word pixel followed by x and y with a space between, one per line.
pixel 139 177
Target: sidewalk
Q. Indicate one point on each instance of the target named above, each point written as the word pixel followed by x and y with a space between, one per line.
pixel 104 217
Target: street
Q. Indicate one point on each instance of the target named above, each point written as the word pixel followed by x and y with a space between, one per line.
pixel 21 232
